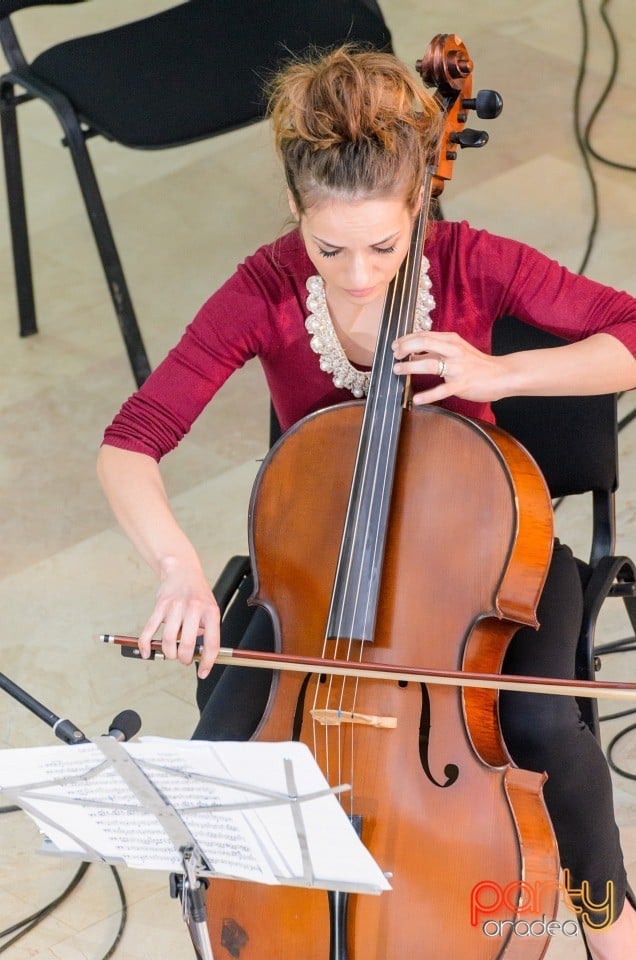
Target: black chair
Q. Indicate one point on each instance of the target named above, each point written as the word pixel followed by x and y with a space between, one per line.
pixel 574 440
pixel 188 73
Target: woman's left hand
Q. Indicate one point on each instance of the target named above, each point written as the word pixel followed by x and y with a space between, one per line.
pixel 464 371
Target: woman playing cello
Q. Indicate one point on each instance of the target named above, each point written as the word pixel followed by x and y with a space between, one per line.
pixel 354 131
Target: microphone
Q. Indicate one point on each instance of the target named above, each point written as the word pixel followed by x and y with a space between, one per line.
pixel 124 726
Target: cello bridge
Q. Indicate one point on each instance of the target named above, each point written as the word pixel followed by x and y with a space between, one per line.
pixel 334 718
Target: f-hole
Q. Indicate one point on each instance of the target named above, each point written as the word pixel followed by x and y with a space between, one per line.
pixel 451 770
pixel 300 706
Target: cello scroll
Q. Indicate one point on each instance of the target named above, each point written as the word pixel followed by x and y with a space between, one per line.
pixel 446 66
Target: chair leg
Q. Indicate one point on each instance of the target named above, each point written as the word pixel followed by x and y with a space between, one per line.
pixel 585 670
pixel 74 139
pixel 17 210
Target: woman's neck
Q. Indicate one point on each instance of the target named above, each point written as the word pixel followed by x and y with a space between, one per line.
pixel 356 327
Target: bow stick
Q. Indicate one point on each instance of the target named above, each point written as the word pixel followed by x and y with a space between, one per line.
pixel 380 671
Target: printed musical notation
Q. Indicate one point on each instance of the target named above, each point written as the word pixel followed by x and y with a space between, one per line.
pixel 257 811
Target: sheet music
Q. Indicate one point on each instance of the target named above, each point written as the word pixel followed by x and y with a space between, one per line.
pixel 82 804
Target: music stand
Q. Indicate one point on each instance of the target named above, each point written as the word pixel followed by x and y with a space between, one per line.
pixel 180 806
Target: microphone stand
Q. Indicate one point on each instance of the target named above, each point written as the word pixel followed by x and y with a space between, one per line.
pixel 64 729
pixel 124 726
pixel 189 888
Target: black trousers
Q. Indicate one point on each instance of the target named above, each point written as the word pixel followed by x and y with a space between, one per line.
pixel 543 732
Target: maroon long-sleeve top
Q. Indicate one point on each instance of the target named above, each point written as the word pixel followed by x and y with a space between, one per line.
pixel 261 311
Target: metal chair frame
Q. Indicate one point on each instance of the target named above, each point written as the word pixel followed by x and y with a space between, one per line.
pixel 366 24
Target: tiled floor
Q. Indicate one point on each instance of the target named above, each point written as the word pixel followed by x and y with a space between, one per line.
pixel 183 218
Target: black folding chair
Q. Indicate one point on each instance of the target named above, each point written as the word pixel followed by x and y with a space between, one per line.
pixel 188 73
pixel 575 443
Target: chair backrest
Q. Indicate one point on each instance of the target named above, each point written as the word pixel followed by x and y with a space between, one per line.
pixel 573 439
pixel 8 7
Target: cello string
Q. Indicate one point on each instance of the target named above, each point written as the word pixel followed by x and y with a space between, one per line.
pixel 373 465
pixel 364 452
pixel 381 479
pixel 371 459
pixel 352 519
pixel 409 287
pixel 401 325
pixel 347 577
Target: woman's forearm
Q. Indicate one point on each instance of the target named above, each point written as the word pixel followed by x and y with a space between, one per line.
pixel 600 364
pixel 135 491
pixel 184 604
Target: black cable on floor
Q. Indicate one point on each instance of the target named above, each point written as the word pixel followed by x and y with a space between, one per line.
pixel 583 139
pixel 27 924
pixel 580 139
pixel 604 95
pixel 617 646
pixel 583 136
pixel 617 716
pixel 609 648
pixel 627 419
pixel 123 913
pixel 610 753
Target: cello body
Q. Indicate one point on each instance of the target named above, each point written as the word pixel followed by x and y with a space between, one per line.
pixel 441 806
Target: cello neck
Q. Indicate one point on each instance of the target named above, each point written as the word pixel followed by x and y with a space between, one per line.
pixel 354 600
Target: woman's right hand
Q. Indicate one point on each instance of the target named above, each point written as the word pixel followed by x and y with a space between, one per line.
pixel 185 604
pixel 186 607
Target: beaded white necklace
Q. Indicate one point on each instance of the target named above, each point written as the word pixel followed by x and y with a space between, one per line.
pixel 324 339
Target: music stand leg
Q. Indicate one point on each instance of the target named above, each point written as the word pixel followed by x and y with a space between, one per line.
pixel 191 891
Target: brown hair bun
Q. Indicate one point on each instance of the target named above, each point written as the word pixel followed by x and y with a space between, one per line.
pixel 354 123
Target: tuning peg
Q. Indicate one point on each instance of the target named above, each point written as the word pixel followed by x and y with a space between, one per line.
pixel 470 138
pixel 487 103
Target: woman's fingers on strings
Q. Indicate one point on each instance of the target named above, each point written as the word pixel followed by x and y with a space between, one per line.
pixel 429 364
pixel 426 354
pixel 435 343
pixel 433 395
pixel 463 370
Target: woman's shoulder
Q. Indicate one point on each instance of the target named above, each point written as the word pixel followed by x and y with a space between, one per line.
pixel 259 299
pixel 473 250
pixel 460 233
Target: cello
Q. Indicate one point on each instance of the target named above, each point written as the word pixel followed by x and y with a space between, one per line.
pixel 341 566
pixel 379 552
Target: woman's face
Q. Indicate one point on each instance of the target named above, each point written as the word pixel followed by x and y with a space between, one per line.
pixel 357 245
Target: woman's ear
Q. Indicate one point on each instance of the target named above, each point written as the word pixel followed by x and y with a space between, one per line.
pixel 292 205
